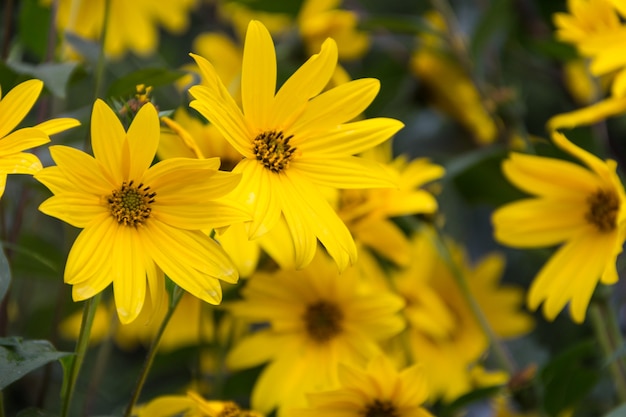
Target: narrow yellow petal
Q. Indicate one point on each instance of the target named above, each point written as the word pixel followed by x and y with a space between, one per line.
pixel 20 163
pixel 589 159
pixel 244 253
pixel 143 140
pixel 279 245
pixel 128 273
pixel 54 126
pixel 82 170
pixel 384 238
pixel 347 172
pixel 107 138
pixel 77 209
pixel 210 215
pixel 588 115
pixel 16 104
pixel 22 139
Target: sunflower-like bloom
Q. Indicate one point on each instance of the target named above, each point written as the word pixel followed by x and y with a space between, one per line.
pixel 378 390
pixel 442 332
pixel 581 207
pixel 14 106
pixel 295 140
pixel 317 319
pixel 139 221
pixel 191 405
pixel 131 26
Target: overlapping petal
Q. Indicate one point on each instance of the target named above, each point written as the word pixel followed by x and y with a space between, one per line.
pixel 16 104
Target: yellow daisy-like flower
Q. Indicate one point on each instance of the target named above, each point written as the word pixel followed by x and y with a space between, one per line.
pixel 131 26
pixel 442 332
pixel 14 106
pixel 317 319
pixel 191 405
pixel 581 207
pixel 295 140
pixel 139 221
pixel 379 390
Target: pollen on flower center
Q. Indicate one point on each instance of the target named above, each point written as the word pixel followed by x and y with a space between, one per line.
pixel 323 321
pixel 603 208
pixel 130 204
pixel 380 409
pixel 273 150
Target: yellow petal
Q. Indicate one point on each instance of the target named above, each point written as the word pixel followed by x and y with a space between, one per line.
pixel 143 140
pixel 20 163
pixel 588 115
pixel 107 138
pixel 16 104
pixel 128 273
pixel 82 170
pixel 210 215
pixel 347 172
pixel 21 140
pixel 54 126
pixel 77 209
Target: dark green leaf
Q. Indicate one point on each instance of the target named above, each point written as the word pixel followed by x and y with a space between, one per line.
pixel 55 76
pixel 19 357
pixel 34 27
pixel 5 275
pixel 35 412
pixel 496 18
pixel 155 77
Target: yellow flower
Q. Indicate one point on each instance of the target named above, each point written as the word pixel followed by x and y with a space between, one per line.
pixel 294 141
pixel 192 405
pixel 379 390
pixel 321 19
pixel 317 319
pixel 443 335
pixel 367 212
pixel 581 207
pixel 240 16
pixel 132 25
pixel 139 221
pixel 14 106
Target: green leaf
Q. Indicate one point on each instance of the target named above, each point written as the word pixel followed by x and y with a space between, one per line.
pixel 5 275
pixel 19 357
pixel 54 75
pixel 35 412
pixel 617 412
pixel 34 27
pixel 154 77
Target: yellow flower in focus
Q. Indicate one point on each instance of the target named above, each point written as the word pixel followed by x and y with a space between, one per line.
pixel 139 221
pixel 580 207
pixel 450 89
pixel 368 213
pixel 191 405
pixel 317 319
pixel 132 26
pixel 321 19
pixel 294 141
pixel 14 107
pixel 443 334
pixel 378 390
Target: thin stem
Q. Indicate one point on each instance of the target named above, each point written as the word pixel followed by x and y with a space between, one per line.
pixel 610 340
pixel 154 346
pixel 498 349
pixel 89 312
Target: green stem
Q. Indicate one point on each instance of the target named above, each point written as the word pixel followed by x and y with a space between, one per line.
pixel 610 339
pixel 89 312
pixel 154 346
pixel 498 349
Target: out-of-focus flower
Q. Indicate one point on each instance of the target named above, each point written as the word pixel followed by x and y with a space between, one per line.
pixel 139 221
pixel 14 107
pixel 191 405
pixel 132 26
pixel 368 213
pixel 316 319
pixel 450 89
pixel 240 16
pixel 597 30
pixel 580 207
pixel 321 19
pixel 294 141
pixel 443 334
pixel 378 390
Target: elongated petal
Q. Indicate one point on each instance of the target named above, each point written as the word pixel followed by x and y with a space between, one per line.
pixel 385 238
pixel 128 273
pixel 258 75
pixel 20 163
pixel 107 138
pixel 53 126
pixel 348 172
pixel 589 159
pixel 210 215
pixel 77 209
pixel 350 138
pixel 16 104
pixel 53 178
pixel 279 245
pixel 588 115
pixel 307 82
pixel 21 140
pixel 143 140
pixel 256 349
pixel 82 170
pixel 243 252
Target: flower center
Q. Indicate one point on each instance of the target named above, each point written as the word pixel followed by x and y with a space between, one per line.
pixel 323 321
pixel 130 204
pixel 273 150
pixel 380 409
pixel 603 208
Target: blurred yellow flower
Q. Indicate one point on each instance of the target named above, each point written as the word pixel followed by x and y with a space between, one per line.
pixel 14 106
pixel 451 90
pixel 580 207
pixel 132 26
pixel 443 334
pixel 294 141
pixel 321 19
pixel 316 319
pixel 240 16
pixel 139 221
pixel 191 405
pixel 378 390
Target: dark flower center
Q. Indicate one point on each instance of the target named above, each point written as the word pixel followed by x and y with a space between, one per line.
pixel 273 150
pixel 130 204
pixel 603 209
pixel 380 409
pixel 323 321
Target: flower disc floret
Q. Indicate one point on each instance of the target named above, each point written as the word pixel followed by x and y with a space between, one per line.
pixel 130 205
pixel 380 408
pixel 273 150
pixel 603 210
pixel 323 321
